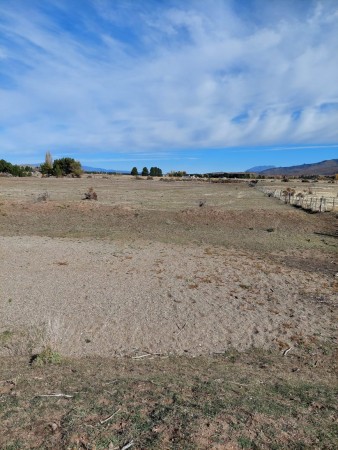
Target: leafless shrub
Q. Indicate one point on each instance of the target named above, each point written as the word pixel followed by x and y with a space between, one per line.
pixel 90 195
pixel 43 197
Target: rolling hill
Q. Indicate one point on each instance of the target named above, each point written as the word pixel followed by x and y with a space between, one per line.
pixel 328 167
pixel 259 169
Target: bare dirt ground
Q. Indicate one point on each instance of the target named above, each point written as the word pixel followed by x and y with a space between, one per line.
pixel 146 272
pixel 145 267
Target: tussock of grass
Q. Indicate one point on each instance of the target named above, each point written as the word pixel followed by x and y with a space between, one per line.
pixel 46 357
pixel 5 336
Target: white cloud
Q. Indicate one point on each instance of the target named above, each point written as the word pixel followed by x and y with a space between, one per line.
pixel 176 76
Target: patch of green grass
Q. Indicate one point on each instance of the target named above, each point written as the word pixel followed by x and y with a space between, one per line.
pixel 46 357
pixel 245 442
pixel 6 336
pixel 16 445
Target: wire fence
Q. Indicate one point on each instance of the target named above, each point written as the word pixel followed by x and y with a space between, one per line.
pixel 306 201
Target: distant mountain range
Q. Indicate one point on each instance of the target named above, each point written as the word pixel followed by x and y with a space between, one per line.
pixel 97 169
pixel 259 169
pixel 327 167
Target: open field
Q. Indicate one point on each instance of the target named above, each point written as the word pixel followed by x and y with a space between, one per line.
pixel 150 289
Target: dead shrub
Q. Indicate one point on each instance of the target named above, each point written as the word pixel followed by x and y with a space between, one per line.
pixel 90 195
pixel 43 197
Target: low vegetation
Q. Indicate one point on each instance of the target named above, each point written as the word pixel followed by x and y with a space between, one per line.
pixel 14 169
pixel 233 401
pixel 46 356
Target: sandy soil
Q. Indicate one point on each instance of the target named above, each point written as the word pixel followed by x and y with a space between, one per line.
pixel 107 298
pixel 160 283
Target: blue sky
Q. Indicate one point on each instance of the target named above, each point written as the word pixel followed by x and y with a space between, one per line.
pixel 197 85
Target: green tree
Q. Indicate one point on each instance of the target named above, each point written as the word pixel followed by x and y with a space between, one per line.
pixel 57 171
pixel 155 172
pixel 145 172
pixel 134 171
pixel 67 166
pixel 179 173
pixel 5 167
pixel 15 169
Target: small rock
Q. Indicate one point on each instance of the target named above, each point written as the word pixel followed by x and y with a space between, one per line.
pixel 54 427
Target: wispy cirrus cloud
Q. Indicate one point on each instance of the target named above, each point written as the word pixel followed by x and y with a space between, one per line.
pixel 133 76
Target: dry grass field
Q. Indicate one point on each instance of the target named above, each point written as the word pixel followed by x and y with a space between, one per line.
pixel 173 315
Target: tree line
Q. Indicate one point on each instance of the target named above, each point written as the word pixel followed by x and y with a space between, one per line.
pixel 153 172
pixel 14 169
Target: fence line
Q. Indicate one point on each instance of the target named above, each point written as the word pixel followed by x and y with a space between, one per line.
pixel 308 202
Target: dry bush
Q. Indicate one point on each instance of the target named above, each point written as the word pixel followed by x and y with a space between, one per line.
pixel 90 195
pixel 43 197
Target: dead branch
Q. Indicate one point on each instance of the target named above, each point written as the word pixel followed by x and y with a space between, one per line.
pixel 152 353
pixel 146 353
pixel 130 444
pixel 142 356
pixel 55 395
pixel 286 351
pixel 110 417
pixel 181 328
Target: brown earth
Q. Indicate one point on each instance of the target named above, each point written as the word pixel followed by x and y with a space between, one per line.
pixel 136 270
pixel 145 272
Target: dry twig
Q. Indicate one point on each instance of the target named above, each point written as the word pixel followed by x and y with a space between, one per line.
pixel 286 351
pixel 55 395
pixel 141 356
pixel 130 444
pixel 110 417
